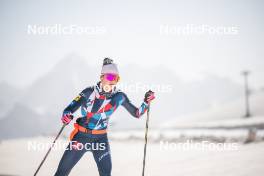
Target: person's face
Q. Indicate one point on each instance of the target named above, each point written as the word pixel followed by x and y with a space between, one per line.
pixel 109 81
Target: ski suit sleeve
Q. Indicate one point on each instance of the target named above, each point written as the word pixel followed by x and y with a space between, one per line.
pixel 75 104
pixel 132 109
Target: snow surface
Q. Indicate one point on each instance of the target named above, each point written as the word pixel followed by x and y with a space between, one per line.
pixel 239 135
pixel 248 159
pixel 227 115
pixel 227 123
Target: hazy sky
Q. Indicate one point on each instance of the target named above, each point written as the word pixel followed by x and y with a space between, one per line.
pixel 133 36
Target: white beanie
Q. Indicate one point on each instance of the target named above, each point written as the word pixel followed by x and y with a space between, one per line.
pixel 109 67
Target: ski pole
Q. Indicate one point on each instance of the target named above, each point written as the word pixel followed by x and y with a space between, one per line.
pixel 43 160
pixel 146 141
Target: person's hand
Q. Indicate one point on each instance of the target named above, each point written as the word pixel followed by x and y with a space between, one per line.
pixel 149 96
pixel 66 118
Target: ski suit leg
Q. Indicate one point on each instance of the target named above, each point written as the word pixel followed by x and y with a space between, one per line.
pixel 70 157
pixel 103 158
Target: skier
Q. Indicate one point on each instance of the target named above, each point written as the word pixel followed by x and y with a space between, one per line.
pixel 97 104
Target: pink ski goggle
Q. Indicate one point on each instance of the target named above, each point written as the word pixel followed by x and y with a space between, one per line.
pixel 111 77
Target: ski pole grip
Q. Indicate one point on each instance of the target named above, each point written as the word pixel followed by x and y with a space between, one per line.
pixel 71 117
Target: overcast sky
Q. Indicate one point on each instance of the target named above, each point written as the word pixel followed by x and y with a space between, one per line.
pixel 132 34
